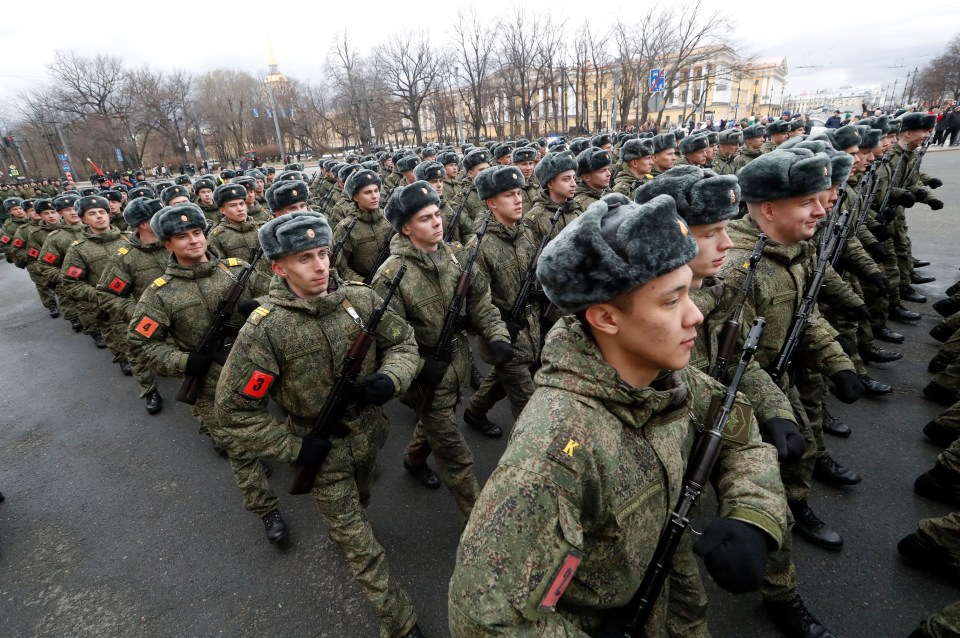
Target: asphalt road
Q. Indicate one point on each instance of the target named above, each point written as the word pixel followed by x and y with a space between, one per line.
pixel 117 523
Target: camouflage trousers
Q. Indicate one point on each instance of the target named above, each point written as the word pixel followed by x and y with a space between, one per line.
pixel 47 297
pixel 856 332
pixel 67 307
pixel 798 477
pixel 248 472
pixel 903 247
pixel 511 381
pixel 949 355
pixel 812 388
pixel 950 418
pixel 780 581
pixel 341 493
pixel 943 531
pixel 437 432
pixel 950 458
pixel 686 597
pixel 943 624
pixel 878 302
pixel 949 352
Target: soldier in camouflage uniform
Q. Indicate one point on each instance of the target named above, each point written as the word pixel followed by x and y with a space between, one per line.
pixel 358 258
pixel 593 171
pixel 55 247
pixel 777 133
pixel 752 143
pixel 18 247
pixel 83 263
pixel 461 232
pixel 782 193
pixel 49 222
pixel 724 162
pixel 204 189
pixel 525 158
pixel 255 212
pixel 127 275
pixel 637 157
pixel 307 306
pixel 693 149
pixel 236 234
pixel 504 259
pixel 433 268
pixel 557 174
pixel 338 209
pixel 259 187
pixel 451 168
pixel 287 197
pixel 15 217
pixel 169 322
pixel 664 153
pixel 474 209
pixel 572 514
pixel 116 208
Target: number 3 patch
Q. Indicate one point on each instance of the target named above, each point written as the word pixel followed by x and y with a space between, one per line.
pixel 258 384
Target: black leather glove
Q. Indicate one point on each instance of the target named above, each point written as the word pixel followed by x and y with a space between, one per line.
pixel 513 329
pixel 860 312
pixel 879 252
pixel 846 386
pixel 921 194
pixel 735 554
pixel 934 203
pixel 313 450
pixel 905 199
pixel 886 215
pixel 20 265
pixel 785 436
pixel 881 232
pixel 880 281
pixel 244 308
pixel 197 364
pixel 379 389
pixel 501 352
pixel 432 371
pixel 935 182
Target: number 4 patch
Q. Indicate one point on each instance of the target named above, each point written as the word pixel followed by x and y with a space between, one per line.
pixel 258 384
pixel 146 327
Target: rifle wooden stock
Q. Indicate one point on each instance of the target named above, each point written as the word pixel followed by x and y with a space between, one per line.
pixel 442 351
pixel 190 388
pixel 334 407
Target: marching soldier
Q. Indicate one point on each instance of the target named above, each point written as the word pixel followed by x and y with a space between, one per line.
pixel 236 234
pixel 593 169
pixel 637 157
pixel 53 250
pixel 287 196
pixel 693 150
pixel 777 133
pixel 49 222
pixel 751 149
pixel 432 173
pixel 525 158
pixel 358 257
pixel 451 168
pixel 664 152
pixel 557 174
pixel 204 189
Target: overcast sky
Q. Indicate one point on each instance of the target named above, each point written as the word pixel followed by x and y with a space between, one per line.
pixel 855 44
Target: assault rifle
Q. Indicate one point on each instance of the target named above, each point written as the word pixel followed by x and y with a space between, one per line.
pixel 916 165
pixel 530 277
pixel 731 327
pixel 326 199
pixel 894 178
pixel 336 405
pixel 630 619
pixel 448 233
pixel 343 240
pixel 442 351
pixel 381 256
pixel 190 388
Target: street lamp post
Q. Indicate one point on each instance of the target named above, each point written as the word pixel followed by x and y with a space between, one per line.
pixel 276 122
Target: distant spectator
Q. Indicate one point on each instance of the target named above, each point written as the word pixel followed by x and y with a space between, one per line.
pixel 834 120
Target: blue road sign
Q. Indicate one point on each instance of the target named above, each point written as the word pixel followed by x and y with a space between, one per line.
pixel 658 79
pixel 62 157
pixel 66 168
pixel 119 154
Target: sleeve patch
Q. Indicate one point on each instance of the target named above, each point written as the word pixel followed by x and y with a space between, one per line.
pixel 34 252
pixel 258 384
pixel 146 327
pixel 558 585
pixel 74 272
pixel 123 250
pixel 50 258
pixel 5 239
pixel 118 285
pixel 17 243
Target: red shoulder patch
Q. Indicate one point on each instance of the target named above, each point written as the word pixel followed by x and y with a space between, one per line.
pixel 558 585
pixel 5 239
pixel 34 252
pixel 17 243
pixel 258 384
pixel 50 258
pixel 74 272
pixel 147 326
pixel 118 285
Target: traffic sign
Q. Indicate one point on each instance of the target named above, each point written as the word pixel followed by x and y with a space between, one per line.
pixel 655 103
pixel 66 168
pixel 62 157
pixel 658 79
pixel 119 154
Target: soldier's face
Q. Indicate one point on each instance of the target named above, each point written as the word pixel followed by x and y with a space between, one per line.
pixel 793 219
pixel 472 173
pixel 114 208
pixel 368 198
pixel 642 165
pixel 177 200
pixel 665 159
pixel 753 143
pixel 452 170
pixel 563 186
pixel 306 272
pixel 50 217
pixel 711 152
pixel 729 149
pixel 189 246
pixel 206 196
pixel 32 214
pixel 507 207
pixel 70 215
pixel 653 329
pixel 526 168
pixel 409 177
pixel 16 212
pixel 506 160
pixel 98 219
pixel 259 187
pixel 829 197
pixel 697 157
pixel 437 186
pixel 597 180
pixel 235 210
pixel 425 228
pixel 714 244
pixel 292 208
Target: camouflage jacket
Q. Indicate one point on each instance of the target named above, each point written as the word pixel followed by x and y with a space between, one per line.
pixel 173 313
pixel 118 222
pixel 592 471
pixel 127 274
pixel 529 193
pixel 627 183
pixel 34 245
pixel 258 214
pixel 465 230
pixel 211 212
pixel 586 196
pixel 449 189
pixel 357 258
pixel 10 228
pixel 725 164
pixel 505 254
pixel 539 218
pixel 910 179
pixel 84 263
pixel 53 251
pixel 291 349
pixel 240 241
pixel 718 302
pixel 854 256
pixel 18 247
pixel 744 157
pixel 768 147
pixel 778 286
pixel 475 208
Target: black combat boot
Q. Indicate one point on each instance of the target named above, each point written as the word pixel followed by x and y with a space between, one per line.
pixel 795 620
pixel 946 307
pixel 76 325
pixel 810 527
pixel 937 365
pixel 940 435
pixel 930 557
pixel 941 484
pixel 918 279
pixel 941 332
pixel 903 315
pixel 836 427
pixel 886 334
pixel 828 471
pixel 154 402
pixel 952 290
pixel 907 293
pixel 54 312
pixel 125 367
pixel 875 354
pixel 98 340
pixel 275 527
pixel 482 424
pixel 920 263
pixel 936 392
pixel 875 388
pixel 423 473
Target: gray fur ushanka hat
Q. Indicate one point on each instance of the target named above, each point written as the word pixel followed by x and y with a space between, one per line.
pixel 782 174
pixel 358 181
pixel 592 158
pixel 178 218
pixel 552 164
pixel 428 171
pixel 701 196
pixel 636 149
pixel 294 233
pixel 407 201
pixel 613 247
pixel 497 179
pixel 141 210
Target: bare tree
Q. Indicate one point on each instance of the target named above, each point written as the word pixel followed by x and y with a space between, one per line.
pixel 940 78
pixel 410 68
pixel 474 39
pixel 225 103
pixel 520 64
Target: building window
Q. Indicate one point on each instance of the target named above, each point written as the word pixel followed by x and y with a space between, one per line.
pixel 594 106
pixel 604 104
pixel 721 87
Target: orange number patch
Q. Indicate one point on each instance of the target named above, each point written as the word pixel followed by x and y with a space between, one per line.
pixel 146 327
pixel 258 384
pixel 117 285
